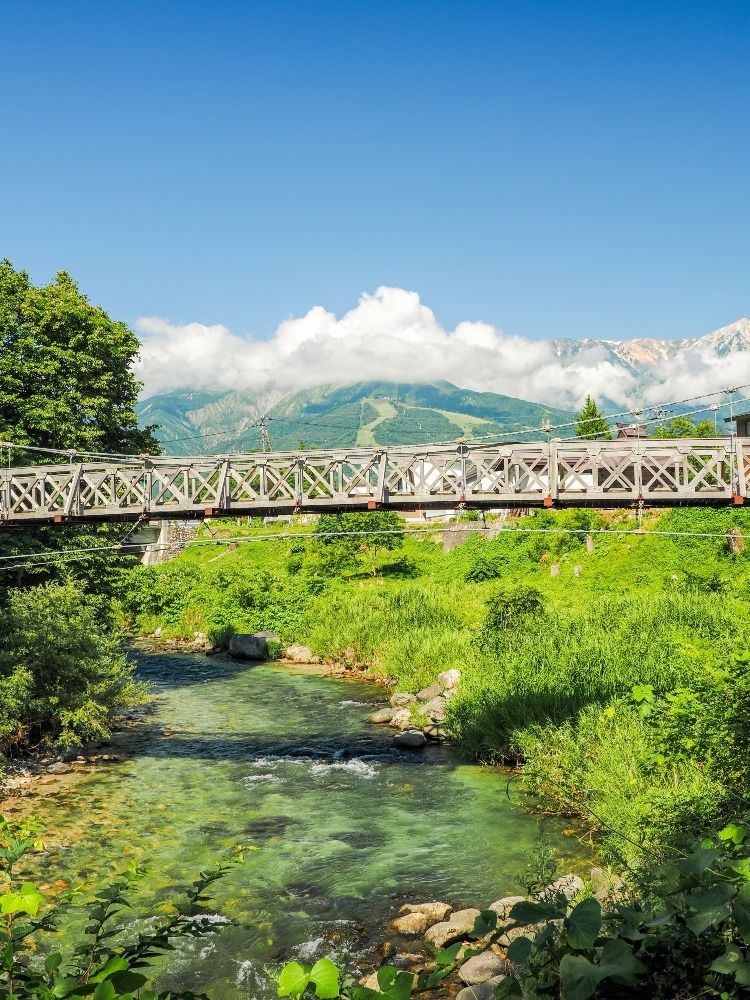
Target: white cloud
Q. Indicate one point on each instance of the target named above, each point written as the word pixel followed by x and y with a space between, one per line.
pixel 392 335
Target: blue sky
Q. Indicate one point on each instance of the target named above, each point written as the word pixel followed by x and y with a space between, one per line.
pixel 553 169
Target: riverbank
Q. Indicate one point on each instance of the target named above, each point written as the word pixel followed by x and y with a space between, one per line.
pixel 571 650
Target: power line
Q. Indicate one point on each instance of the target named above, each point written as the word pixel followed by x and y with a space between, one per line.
pixel 51 556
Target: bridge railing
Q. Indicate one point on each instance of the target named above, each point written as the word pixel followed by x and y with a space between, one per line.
pixel 606 473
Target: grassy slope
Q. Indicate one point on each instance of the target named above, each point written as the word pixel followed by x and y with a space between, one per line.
pixel 555 690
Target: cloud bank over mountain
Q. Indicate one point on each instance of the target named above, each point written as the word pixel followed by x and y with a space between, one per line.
pixel 392 335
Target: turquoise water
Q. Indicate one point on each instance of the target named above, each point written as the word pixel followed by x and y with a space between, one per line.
pixel 348 827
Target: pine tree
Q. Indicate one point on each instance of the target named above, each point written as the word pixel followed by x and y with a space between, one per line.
pixel 591 423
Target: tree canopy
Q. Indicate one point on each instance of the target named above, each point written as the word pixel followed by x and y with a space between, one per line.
pixel 354 535
pixel 685 427
pixel 66 370
pixel 590 422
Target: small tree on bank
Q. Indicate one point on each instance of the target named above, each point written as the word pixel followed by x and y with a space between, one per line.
pixel 591 422
pixel 354 536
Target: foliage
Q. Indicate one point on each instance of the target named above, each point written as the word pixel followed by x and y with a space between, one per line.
pixel 66 378
pixel 686 427
pixel 591 423
pixel 61 671
pixel 106 964
pixel 355 535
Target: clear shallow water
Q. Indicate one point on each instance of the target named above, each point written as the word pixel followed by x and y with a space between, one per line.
pixel 348 827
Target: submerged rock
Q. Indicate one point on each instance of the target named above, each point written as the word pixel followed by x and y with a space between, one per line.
pixel 411 738
pixel 60 767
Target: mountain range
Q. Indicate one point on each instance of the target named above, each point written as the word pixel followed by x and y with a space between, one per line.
pixel 362 414
pixel 368 413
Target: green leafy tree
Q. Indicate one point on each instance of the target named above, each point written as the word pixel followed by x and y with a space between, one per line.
pixel 685 427
pixel 591 423
pixel 358 536
pixel 66 370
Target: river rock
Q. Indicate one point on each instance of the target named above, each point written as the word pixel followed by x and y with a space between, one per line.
pixel 413 739
pixel 428 693
pixel 402 700
pixel 300 654
pixel 481 991
pixel 249 646
pixel 382 715
pixel 401 719
pixel 449 678
pixel 606 885
pixel 436 911
pixel 482 967
pixel 433 731
pixel 568 885
pixel 446 932
pixel 502 907
pixel 60 767
pixel 435 709
pixel 411 924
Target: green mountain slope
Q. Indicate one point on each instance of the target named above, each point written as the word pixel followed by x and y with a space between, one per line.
pixel 363 414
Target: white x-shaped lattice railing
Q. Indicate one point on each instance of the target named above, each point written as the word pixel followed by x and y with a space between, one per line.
pixel 566 472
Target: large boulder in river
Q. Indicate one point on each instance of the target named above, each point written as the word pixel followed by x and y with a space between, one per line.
pixel 251 646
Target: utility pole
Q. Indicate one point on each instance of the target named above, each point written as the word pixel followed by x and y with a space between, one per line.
pixel 265 437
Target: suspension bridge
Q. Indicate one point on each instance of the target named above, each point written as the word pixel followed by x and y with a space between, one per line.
pixel 575 473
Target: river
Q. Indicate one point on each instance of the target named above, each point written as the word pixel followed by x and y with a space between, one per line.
pixel 348 827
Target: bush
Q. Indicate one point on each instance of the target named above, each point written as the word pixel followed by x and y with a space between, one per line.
pixel 61 670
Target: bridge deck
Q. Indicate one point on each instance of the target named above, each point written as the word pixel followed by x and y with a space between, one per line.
pixel 559 473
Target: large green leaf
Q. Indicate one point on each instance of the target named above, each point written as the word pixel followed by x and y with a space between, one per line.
pixel 293 980
pixel 741 912
pixel 708 906
pixel 527 912
pixel 699 861
pixel 325 976
pixel 393 984
pixel 28 899
pixel 584 924
pixel 579 977
pixel 485 923
pixel 519 950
